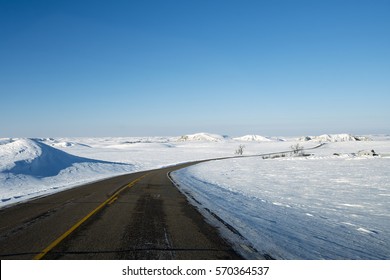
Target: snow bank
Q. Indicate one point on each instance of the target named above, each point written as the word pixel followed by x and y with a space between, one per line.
pixel 29 168
pixel 33 158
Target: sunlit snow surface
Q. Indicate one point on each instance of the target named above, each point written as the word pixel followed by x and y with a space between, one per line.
pixel 30 168
pixel 319 207
pixel 324 206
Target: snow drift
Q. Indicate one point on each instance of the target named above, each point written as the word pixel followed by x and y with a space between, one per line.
pixel 31 157
pixel 29 168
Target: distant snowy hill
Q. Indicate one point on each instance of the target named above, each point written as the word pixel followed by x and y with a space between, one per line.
pixel 335 138
pixel 60 143
pixel 207 137
pixel 254 138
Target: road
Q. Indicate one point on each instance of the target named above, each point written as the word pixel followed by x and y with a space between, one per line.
pixel 135 216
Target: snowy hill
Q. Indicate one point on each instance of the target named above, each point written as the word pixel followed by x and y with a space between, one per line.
pixel 29 168
pixel 33 158
pixel 13 151
pixel 334 138
pixel 253 138
pixel 207 137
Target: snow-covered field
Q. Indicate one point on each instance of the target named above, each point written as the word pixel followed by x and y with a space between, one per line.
pixel 324 206
pixel 334 204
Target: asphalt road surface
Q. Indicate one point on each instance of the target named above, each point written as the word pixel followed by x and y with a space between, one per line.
pixel 136 216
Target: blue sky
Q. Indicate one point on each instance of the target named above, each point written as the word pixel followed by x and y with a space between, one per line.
pixel 138 68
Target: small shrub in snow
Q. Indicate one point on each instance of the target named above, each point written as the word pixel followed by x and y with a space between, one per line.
pixel 240 150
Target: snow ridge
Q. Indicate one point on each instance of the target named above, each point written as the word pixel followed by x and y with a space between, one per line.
pixel 343 137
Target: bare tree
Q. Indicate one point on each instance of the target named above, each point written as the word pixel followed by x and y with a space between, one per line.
pixel 297 149
pixel 240 150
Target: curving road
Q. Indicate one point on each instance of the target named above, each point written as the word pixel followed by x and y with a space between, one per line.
pixel 135 216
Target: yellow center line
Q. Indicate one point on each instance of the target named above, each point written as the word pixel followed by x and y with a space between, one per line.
pixel 110 200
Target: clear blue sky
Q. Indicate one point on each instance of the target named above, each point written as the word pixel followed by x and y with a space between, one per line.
pixel 138 68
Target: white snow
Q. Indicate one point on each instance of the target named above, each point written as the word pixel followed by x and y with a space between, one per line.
pixel 29 168
pixel 343 137
pixel 257 138
pixel 333 204
pixel 324 206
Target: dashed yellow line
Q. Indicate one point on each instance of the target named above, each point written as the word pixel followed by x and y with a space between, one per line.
pixel 110 200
